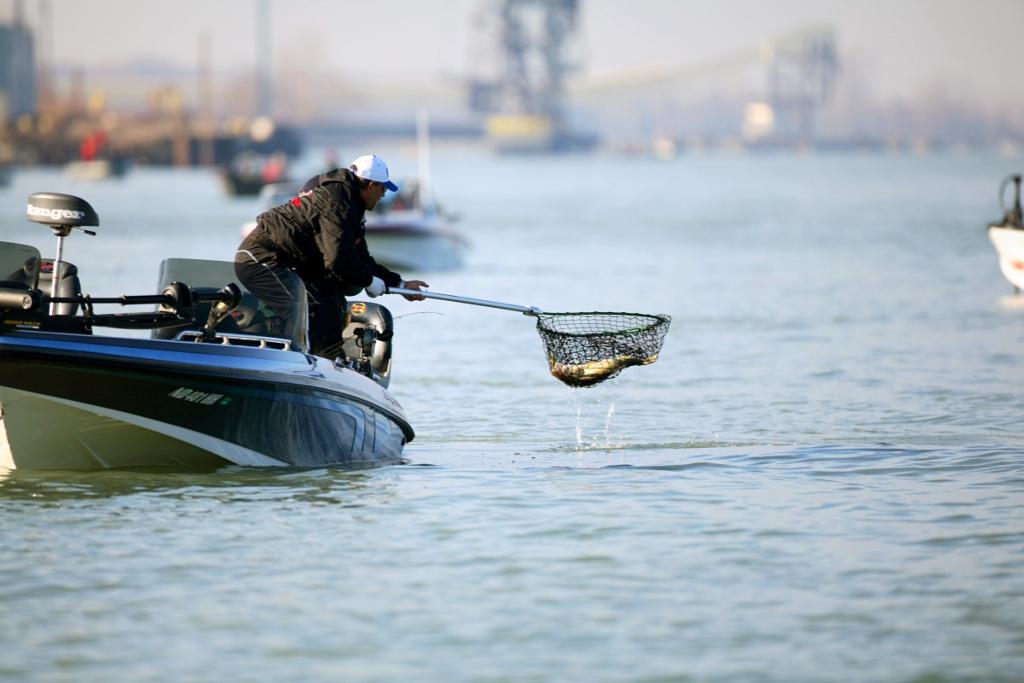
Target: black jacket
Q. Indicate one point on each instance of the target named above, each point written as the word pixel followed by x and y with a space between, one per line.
pixel 320 234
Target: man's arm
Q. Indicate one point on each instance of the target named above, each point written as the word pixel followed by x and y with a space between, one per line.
pixel 343 252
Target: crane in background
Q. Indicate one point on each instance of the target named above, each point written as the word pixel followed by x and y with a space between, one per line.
pixel 802 72
pixel 524 103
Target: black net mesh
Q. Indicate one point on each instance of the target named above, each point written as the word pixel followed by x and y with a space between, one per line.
pixel 584 349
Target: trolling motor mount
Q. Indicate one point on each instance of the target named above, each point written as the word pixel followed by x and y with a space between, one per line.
pixel 221 304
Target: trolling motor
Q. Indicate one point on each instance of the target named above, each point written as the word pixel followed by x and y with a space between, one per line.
pixel 56 311
pixel 1013 217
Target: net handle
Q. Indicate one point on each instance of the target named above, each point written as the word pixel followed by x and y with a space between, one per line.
pixel 525 310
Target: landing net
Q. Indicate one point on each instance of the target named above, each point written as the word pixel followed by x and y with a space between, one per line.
pixel 584 349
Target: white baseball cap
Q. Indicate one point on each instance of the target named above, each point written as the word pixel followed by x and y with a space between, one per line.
pixel 372 167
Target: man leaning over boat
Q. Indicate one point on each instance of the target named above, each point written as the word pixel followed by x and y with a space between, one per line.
pixel 316 242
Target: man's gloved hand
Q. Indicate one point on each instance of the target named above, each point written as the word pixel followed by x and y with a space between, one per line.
pixel 376 288
pixel 414 284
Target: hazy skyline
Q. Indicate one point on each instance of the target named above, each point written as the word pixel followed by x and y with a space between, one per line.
pixel 901 48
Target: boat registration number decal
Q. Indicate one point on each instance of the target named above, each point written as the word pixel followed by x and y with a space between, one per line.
pixel 203 398
pixel 24 324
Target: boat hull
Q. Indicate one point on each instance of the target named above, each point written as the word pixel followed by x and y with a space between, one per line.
pixel 407 241
pixel 69 403
pixel 1009 244
pixel 58 435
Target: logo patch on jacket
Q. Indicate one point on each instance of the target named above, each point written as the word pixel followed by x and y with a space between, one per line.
pixel 297 199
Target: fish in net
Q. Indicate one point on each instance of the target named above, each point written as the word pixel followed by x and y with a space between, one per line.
pixel 584 349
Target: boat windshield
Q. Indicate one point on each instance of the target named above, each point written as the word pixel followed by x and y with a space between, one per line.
pixel 19 265
pixel 196 273
pixel 250 317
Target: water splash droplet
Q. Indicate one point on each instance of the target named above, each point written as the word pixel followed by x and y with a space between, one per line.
pixel 579 428
pixel 608 424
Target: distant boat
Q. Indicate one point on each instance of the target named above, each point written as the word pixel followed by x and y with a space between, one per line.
pixel 405 234
pixel 271 195
pixel 1008 236
pixel 407 238
pixel 96 161
pixel 96 169
pixel 240 185
pixel 249 172
pixel 414 240
pixel 407 231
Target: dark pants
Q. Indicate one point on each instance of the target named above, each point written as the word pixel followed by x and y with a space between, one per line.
pixel 327 317
pixel 280 289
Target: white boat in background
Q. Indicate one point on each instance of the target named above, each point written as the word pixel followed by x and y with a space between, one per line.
pixel 1008 236
pixel 407 232
pixel 401 234
pixel 275 194
pixel 96 169
pixel 1009 244
pixel 415 240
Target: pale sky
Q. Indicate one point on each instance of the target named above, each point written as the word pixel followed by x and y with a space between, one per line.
pixel 901 47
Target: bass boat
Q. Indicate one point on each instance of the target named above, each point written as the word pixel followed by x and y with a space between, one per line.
pixel 1007 236
pixel 212 384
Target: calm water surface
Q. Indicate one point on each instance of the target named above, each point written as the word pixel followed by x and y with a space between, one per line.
pixel 821 479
